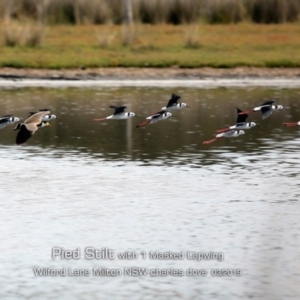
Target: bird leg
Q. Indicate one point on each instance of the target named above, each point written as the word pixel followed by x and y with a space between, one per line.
pixel 246 112
pixel 143 124
pixel 290 124
pixel 98 120
pixel 210 141
pixel 222 130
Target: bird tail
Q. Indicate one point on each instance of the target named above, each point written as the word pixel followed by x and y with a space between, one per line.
pixel 98 120
pixel 290 124
pixel 223 130
pixel 210 141
pixel 143 124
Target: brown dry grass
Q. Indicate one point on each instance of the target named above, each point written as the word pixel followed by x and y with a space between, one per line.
pixel 18 34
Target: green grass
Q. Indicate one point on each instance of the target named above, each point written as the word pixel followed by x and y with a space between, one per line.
pixel 161 46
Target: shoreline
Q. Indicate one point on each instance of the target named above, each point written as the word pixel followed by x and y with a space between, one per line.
pixel 150 73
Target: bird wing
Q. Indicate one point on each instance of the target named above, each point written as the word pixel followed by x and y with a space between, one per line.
pixel 155 116
pixel 158 114
pixel 4 119
pixel 36 118
pixel 118 109
pixel 173 101
pixel 32 127
pixel 41 109
pixel 269 102
pixel 26 131
pixel 241 118
pixel 266 111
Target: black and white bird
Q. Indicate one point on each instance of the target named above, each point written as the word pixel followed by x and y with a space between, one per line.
pixel 240 123
pixel 227 134
pixel 160 115
pixel 119 113
pixel 266 109
pixel 30 126
pixel 8 119
pixel 173 103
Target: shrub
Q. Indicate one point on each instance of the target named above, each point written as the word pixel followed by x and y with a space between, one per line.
pixel 17 34
pixel 273 11
pixel 224 11
pixel 151 11
pixel 12 34
pixel 33 35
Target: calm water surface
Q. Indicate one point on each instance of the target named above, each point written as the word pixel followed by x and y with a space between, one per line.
pixel 82 184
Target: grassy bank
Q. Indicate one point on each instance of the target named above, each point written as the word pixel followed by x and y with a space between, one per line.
pixel 159 46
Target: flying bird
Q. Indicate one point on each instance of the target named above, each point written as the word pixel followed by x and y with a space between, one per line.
pixel 160 115
pixel 227 134
pixel 42 124
pixel 47 117
pixel 240 123
pixel 119 113
pixel 173 103
pixel 266 109
pixel 8 119
pixel 30 126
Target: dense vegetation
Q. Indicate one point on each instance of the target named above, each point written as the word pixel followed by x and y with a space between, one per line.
pixel 151 11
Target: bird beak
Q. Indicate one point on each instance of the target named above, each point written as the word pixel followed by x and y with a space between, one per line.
pixel 188 106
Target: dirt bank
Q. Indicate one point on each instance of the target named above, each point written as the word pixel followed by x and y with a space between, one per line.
pixel 149 73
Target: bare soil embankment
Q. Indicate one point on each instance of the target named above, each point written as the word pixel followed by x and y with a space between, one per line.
pixel 149 73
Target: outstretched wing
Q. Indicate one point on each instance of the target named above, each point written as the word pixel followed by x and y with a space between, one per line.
pixel 42 109
pixel 37 117
pixel 24 134
pixel 158 114
pixel 266 111
pixel 269 102
pixel 4 119
pixel 266 108
pixel 118 109
pixel 241 118
pixel 173 101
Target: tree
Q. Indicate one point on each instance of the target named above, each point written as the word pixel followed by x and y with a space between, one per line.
pixel 128 13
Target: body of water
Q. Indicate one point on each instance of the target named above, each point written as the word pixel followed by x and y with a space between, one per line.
pixel 80 184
